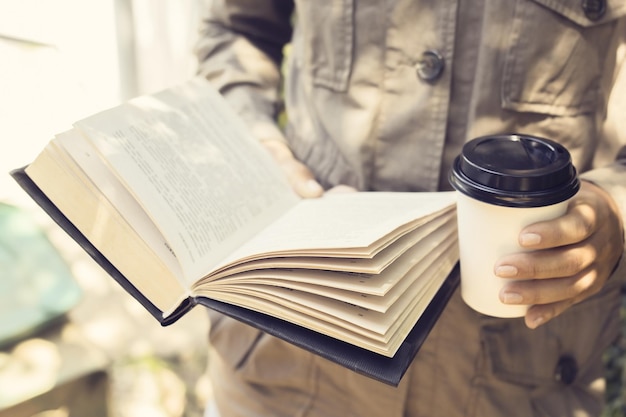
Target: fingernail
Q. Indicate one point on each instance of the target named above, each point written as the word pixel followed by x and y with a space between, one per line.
pixel 511 298
pixel 537 321
pixel 506 271
pixel 530 239
pixel 313 187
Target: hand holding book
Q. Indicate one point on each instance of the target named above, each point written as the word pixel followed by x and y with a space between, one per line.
pixel 299 176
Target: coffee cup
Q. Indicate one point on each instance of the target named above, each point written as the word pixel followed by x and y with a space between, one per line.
pixel 504 183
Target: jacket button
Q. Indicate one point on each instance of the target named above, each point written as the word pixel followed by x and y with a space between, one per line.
pixel 566 370
pixel 594 9
pixel 430 66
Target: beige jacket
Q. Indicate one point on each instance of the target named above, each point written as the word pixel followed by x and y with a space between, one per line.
pixel 381 95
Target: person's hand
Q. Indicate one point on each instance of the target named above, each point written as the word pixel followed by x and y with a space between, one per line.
pixel 571 259
pixel 299 176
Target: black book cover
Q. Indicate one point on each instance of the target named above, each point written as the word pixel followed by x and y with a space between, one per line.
pixel 373 365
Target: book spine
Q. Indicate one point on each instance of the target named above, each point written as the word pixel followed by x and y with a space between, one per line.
pixel 20 176
pixel 180 311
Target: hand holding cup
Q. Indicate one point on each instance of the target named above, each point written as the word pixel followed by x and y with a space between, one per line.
pixel 505 183
pixel 566 259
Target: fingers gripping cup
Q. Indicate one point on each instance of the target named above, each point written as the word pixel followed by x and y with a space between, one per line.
pixel 504 183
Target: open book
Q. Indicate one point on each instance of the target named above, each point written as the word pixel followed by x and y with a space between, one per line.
pixel 175 200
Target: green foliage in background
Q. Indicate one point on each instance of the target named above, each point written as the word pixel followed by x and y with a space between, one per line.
pixel 615 360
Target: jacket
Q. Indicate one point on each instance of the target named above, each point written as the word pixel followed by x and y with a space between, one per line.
pixel 382 96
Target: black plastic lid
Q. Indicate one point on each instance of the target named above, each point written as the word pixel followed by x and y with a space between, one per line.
pixel 515 170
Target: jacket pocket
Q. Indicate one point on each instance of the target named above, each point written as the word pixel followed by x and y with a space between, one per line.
pixel 556 54
pixel 565 351
pixel 325 37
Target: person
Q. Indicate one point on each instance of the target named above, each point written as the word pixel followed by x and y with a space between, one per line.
pixel 382 96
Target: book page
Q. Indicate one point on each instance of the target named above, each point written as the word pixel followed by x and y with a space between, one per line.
pixel 358 224
pixel 71 192
pixel 108 186
pixel 379 332
pixel 375 292
pixel 186 157
pixel 354 266
pixel 352 220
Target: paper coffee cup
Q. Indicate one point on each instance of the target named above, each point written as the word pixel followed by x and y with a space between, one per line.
pixel 504 183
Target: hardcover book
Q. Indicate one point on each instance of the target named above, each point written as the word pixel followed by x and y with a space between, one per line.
pixel 171 195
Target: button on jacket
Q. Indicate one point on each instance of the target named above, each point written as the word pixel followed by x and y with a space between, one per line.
pixel 382 95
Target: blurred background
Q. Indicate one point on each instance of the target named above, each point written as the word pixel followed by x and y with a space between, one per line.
pixel 72 343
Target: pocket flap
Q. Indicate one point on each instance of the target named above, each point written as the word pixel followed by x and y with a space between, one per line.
pixel 563 351
pixel 587 12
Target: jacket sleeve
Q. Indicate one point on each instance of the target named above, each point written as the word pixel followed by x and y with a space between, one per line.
pixel 240 50
pixel 610 171
pixel 610 165
pixel 612 178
